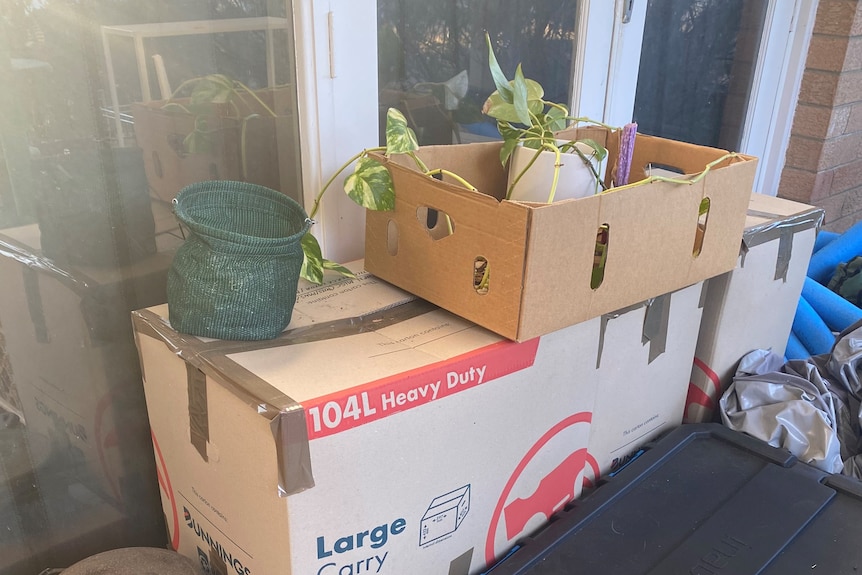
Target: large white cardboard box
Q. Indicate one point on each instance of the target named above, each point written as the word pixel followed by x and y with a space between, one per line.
pixel 378 434
pixel 752 307
pixel 644 374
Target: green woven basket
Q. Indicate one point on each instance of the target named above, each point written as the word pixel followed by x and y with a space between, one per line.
pixel 235 276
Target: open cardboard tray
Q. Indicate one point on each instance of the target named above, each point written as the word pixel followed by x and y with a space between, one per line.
pixel 541 257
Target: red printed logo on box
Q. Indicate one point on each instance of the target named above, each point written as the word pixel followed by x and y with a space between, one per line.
pixel 165 485
pixel 527 503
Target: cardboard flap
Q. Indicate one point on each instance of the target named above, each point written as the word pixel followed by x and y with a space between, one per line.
pixel 480 167
pixel 677 156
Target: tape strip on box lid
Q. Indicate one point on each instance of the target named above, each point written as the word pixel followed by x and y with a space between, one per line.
pixel 286 416
pixel 782 228
pixel 655 326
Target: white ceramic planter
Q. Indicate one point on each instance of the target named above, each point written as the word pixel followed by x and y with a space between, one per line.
pixel 576 180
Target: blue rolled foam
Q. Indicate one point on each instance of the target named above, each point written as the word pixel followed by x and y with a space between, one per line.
pixel 824 238
pixel 811 330
pixel 795 349
pixel 842 249
pixel 837 312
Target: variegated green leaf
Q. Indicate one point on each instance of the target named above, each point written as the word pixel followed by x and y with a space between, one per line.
pixel 400 139
pixel 508 131
pixel 500 80
pixel 535 106
pixel 556 119
pixel 535 92
pixel 495 107
pixel 507 149
pixel 312 263
pixel 370 185
pixel 502 111
pixel 197 143
pixel 213 89
pixel 536 136
pixel 519 89
pixel 337 267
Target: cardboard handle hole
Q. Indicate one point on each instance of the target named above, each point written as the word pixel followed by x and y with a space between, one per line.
pixel 392 238
pixel 438 224
pixel 702 221
pixel 664 170
pixel 600 256
pixel 481 275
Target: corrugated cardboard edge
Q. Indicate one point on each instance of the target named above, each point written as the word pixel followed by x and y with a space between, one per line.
pixel 286 416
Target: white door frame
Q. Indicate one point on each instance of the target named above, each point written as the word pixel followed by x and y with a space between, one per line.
pixel 336 56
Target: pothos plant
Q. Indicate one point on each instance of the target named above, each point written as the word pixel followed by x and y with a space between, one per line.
pixel 525 118
pixel 208 92
pixel 370 186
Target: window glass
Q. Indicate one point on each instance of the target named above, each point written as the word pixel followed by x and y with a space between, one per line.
pixel 697 68
pixel 433 60
pixel 109 108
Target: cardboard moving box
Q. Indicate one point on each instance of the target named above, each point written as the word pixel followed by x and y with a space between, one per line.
pixel 541 258
pixel 271 148
pixel 382 434
pixel 752 307
pixel 71 356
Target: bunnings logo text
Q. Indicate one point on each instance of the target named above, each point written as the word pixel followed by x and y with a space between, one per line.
pixel 215 545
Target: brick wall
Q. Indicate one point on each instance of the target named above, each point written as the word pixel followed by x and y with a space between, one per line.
pixel 824 158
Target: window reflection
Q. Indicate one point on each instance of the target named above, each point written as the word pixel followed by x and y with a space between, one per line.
pixel 433 61
pixel 110 107
pixel 697 68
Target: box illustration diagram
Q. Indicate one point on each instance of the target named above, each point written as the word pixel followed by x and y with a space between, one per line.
pixel 444 515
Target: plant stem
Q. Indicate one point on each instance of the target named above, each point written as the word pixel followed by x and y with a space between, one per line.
pixel 560 107
pixel 331 179
pixel 691 181
pixel 253 95
pixel 585 120
pixel 175 105
pixel 590 166
pixel 181 86
pixel 419 163
pixel 456 177
pixel 521 175
pixel 452 175
pixel 557 165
